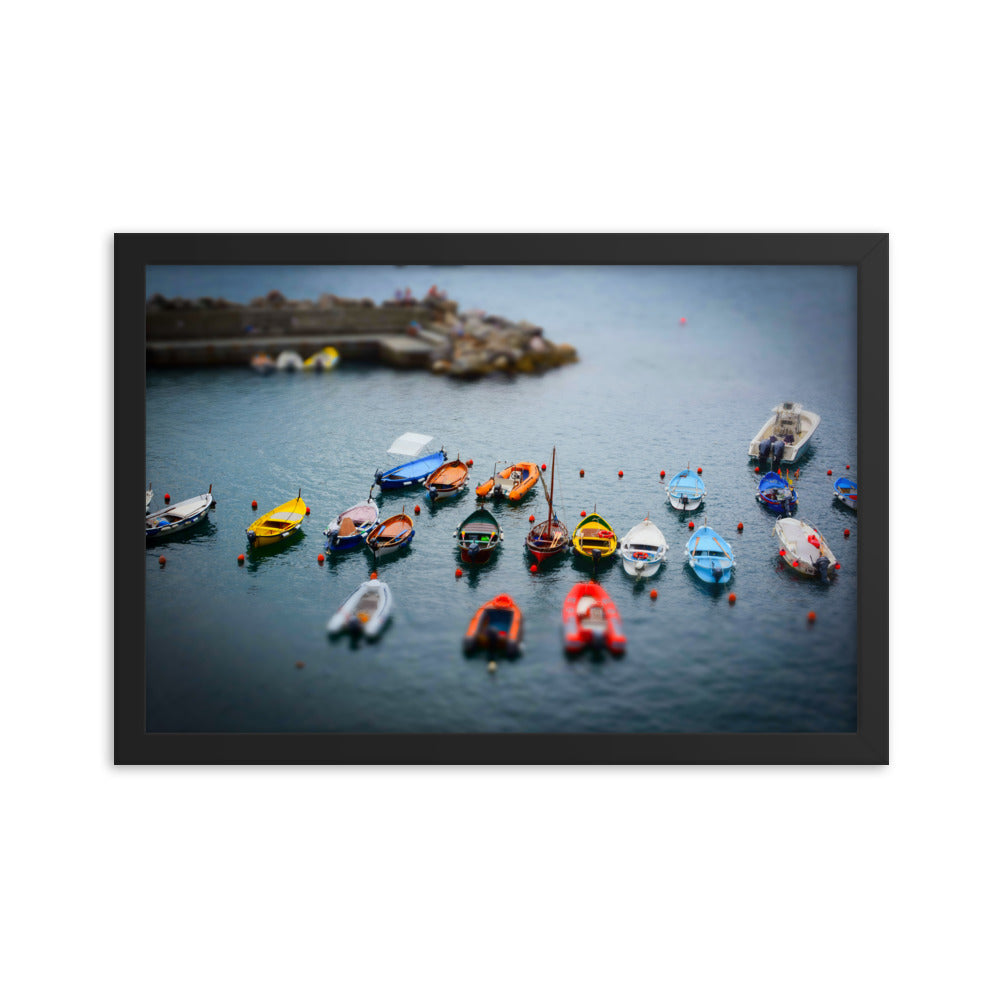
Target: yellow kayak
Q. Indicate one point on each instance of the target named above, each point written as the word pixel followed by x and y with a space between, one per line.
pixel 277 524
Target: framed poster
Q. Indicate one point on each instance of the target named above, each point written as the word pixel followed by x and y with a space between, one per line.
pixel 642 539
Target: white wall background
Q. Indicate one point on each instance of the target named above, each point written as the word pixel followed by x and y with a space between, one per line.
pixel 502 882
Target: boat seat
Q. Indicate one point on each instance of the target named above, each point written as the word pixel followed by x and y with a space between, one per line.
pixel 347 527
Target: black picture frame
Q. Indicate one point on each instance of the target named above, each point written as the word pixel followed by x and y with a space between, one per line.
pixel 869 253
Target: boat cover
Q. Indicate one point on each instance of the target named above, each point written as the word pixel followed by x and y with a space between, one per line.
pixel 409 444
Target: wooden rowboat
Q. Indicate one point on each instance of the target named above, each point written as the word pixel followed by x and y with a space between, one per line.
pixel 594 537
pixel 282 522
pixel 478 535
pixel 804 549
pixel 446 480
pixel 179 516
pixel 393 533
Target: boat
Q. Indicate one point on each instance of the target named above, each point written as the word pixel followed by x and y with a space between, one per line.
pixel 322 361
pixel 846 491
pixel 496 625
pixel 149 497
pixel 551 537
pixel 392 534
pixel 594 537
pixel 804 549
pixel 478 535
pixel 414 472
pixel 777 493
pixel 512 482
pixel 263 364
pixel 348 531
pixel 179 516
pixel 366 611
pixel 277 524
pixel 446 480
pixel 289 361
pixel 590 618
pixel 643 549
pixel 710 556
pixel 686 490
pixel 784 437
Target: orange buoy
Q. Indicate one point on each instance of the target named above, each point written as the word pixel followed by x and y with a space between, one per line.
pixel 253 504
pixel 240 558
pixel 732 598
pixel 163 560
pixel 847 532
pixel 739 527
pixel 533 568
pixel 699 470
pixel 544 466
pixel 811 616
pixel 653 595
pixel 166 498
pixel 581 473
pixel 458 572
pixel 531 519
pixel 416 509
pixel 690 525
pixel 320 558
pixel 620 473
pixel 663 473
pixel 373 576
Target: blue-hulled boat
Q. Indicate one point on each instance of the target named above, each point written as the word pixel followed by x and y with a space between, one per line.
pixel 349 530
pixel 846 491
pixel 777 493
pixel 710 556
pixel 178 516
pixel 686 490
pixel 414 472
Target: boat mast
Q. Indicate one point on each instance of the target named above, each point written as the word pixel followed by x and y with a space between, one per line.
pixel 552 487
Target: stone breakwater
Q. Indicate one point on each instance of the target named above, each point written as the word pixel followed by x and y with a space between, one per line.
pixel 431 333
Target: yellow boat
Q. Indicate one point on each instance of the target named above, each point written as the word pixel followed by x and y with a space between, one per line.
pixel 322 361
pixel 277 524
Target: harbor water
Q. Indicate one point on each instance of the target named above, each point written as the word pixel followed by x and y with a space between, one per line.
pixel 679 366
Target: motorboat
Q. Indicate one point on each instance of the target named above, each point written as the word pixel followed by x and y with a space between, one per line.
pixel 710 556
pixel 365 612
pixel 777 493
pixel 686 491
pixel 643 549
pixel 289 361
pixel 785 435
pixel 804 549
pixel 478 535
pixel 179 516
pixel 512 483
pixel 846 491
pixel 322 361
pixel 590 618
pixel 496 626
pixel 349 529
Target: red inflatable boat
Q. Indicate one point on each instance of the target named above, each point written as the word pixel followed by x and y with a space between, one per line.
pixel 590 618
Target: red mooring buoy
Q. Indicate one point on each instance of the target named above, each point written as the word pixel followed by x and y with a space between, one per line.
pixel 848 466
pixel 663 473
pixel 533 568
pixel 308 511
pixel 240 558
pixel 416 509
pixel 544 466
pixel 469 463
pixel 756 468
pixel 653 595
pixel 458 572
pixel 581 473
pixel 847 532
pixel 583 513
pixel 739 527
pixel 320 558
pixel 163 560
pixel 253 504
pixel 373 576
pixel 166 498
pixel 531 519
pixel 699 470
pixel 811 616
pixel 620 473
pixel 732 598
pixel 829 472
pixel 690 525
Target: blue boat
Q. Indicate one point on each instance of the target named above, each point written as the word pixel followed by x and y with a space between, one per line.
pixel 686 491
pixel 414 472
pixel 846 491
pixel 777 493
pixel 348 531
pixel 710 556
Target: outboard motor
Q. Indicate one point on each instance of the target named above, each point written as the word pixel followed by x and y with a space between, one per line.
pixel 717 573
pixel 764 449
pixel 787 505
pixel 778 449
pixel 822 565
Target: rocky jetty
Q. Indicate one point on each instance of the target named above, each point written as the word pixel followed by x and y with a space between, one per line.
pixel 431 333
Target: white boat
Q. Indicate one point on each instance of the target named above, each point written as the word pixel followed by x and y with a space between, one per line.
pixel 366 611
pixel 785 435
pixel 289 361
pixel 178 516
pixel 149 497
pixel 643 549
pixel 686 490
pixel 804 548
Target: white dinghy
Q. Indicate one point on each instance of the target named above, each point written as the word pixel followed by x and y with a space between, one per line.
pixel 804 548
pixel 149 497
pixel 289 361
pixel 178 516
pixel 366 611
pixel 785 435
pixel 643 549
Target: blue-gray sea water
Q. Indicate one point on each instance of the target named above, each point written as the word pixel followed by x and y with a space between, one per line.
pixel 649 393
